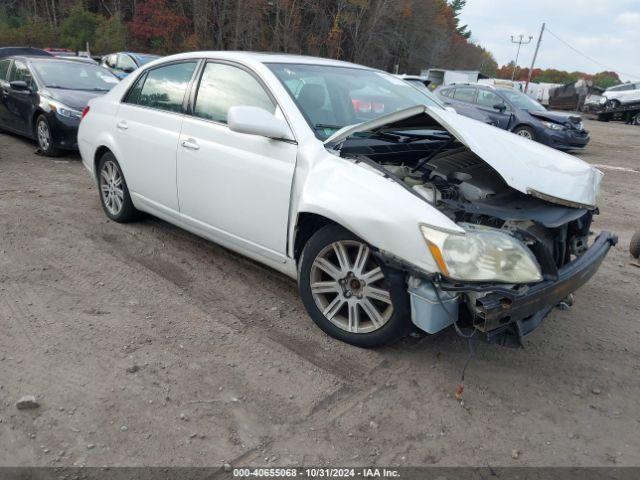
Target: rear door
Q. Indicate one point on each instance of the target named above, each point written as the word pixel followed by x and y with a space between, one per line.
pixel 147 130
pixel 487 101
pixel 234 187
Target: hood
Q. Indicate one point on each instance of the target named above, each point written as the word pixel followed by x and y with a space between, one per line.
pixel 76 99
pixel 525 165
pixel 557 117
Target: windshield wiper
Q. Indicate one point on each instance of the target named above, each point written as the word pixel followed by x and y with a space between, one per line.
pixel 324 125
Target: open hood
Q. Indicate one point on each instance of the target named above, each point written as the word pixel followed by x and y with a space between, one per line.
pixel 525 165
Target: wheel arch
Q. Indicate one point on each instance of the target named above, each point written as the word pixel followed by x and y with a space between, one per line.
pixel 100 151
pixel 307 224
pixel 38 111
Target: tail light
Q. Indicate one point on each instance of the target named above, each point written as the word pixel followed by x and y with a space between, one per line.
pixel 84 112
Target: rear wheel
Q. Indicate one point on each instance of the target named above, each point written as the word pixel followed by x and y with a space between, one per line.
pixel 525 132
pixel 44 137
pixel 114 194
pixel 347 293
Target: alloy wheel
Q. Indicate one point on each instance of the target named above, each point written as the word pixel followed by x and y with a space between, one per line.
pixel 349 287
pixel 44 135
pixel 111 187
pixel 525 134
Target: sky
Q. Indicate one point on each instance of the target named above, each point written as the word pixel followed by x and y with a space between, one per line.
pixel 608 31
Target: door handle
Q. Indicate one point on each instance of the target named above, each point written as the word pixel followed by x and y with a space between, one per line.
pixel 191 144
pixel 122 125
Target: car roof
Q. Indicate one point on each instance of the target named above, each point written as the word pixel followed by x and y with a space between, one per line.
pixel 23 51
pixel 263 57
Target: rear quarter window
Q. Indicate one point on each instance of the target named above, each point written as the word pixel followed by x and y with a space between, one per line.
pixel 4 68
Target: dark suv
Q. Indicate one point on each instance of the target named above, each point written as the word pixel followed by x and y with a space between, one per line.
pixel 513 110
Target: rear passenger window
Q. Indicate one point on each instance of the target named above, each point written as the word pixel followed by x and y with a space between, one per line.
pixel 465 94
pixel 224 86
pixel 4 68
pixel 163 88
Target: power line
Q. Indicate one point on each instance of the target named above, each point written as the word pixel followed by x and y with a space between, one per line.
pixel 589 58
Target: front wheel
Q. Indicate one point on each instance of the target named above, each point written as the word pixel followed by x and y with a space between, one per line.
pixel 525 132
pixel 612 105
pixel 348 294
pixel 44 137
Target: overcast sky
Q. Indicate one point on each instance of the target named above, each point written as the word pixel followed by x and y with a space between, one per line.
pixel 606 30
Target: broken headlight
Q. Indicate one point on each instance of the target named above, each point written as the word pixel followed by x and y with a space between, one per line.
pixel 552 125
pixel 481 254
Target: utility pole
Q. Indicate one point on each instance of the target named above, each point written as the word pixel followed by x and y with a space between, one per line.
pixel 535 55
pixel 520 42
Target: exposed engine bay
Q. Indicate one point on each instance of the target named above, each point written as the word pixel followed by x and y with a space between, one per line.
pixel 467 190
pixel 435 166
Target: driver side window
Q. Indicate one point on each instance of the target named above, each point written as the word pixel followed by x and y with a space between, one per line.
pixel 124 61
pixel 488 99
pixel 4 69
pixel 20 71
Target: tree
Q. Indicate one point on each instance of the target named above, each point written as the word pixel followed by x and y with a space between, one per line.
pixel 111 36
pixel 79 27
pixel 457 6
pixel 155 25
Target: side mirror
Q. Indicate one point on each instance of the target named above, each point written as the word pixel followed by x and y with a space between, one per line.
pixel 257 121
pixel 501 107
pixel 20 85
pixel 128 69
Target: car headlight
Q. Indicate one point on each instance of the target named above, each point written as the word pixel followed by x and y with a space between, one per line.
pixel 481 255
pixel 65 111
pixel 553 126
pixel 603 100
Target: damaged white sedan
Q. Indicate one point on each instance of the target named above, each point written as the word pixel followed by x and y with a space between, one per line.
pixel 389 210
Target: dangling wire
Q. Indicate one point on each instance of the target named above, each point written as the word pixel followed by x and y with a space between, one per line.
pixel 470 343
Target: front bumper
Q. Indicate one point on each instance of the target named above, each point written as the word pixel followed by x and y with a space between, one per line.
pixel 566 139
pixel 507 316
pixel 64 131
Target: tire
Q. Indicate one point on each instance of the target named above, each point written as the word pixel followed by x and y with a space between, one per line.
pixel 612 105
pixel 636 119
pixel 525 132
pixel 114 193
pixel 358 300
pixel 634 246
pixel 44 137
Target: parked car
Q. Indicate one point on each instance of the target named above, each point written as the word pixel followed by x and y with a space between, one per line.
pixel 514 111
pixel 614 97
pixel 421 83
pixel 43 98
pixel 33 52
pixel 123 63
pixel 414 216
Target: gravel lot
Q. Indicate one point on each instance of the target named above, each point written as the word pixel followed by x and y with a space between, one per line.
pixel 145 345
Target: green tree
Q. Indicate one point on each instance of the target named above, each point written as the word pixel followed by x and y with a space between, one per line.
pixel 111 36
pixel 79 27
pixel 457 6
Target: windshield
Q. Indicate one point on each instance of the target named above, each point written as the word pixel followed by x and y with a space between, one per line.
pixel 142 59
pixel 520 100
pixel 333 97
pixel 72 75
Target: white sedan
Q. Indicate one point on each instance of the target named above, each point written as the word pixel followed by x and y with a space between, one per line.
pixel 390 211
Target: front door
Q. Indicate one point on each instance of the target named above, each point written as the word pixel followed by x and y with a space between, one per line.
pixel 234 187
pixel 487 101
pixel 147 130
pixel 19 103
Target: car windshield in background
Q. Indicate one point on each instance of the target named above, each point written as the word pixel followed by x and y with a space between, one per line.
pixel 520 100
pixel 143 59
pixel 333 97
pixel 72 75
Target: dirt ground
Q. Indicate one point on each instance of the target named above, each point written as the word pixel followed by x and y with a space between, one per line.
pixel 146 345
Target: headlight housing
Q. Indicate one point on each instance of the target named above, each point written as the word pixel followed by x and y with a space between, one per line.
pixel 553 126
pixel 64 111
pixel 481 254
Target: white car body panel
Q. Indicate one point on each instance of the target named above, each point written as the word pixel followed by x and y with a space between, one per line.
pixel 623 96
pixel 256 194
pixel 523 164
